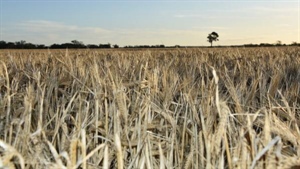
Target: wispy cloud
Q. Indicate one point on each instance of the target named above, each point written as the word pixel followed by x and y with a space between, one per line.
pixel 193 16
pixel 210 28
pixel 50 26
pixel 214 14
pixel 243 39
pixel 158 36
pixel 42 31
pixel 275 9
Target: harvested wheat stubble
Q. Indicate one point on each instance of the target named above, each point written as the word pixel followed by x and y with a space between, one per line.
pixel 158 108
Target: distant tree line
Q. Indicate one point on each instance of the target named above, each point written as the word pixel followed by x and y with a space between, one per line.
pixel 278 43
pixel 146 46
pixel 78 44
pixel 20 45
pixel 73 44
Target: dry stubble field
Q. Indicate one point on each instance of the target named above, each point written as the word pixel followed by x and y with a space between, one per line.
pixel 156 108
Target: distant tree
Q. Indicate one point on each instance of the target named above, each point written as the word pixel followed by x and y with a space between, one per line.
pixel 108 45
pixel 29 46
pixel 116 46
pixel 3 44
pixel 265 44
pixel 250 45
pixel 20 44
pixel 212 37
pixel 77 44
pixel 92 46
pixel 278 43
pixel 294 44
pixel 41 46
pixel 11 45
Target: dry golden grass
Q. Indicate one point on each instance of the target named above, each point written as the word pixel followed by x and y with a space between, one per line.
pixel 158 108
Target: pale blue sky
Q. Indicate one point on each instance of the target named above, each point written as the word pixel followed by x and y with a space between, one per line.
pixel 154 22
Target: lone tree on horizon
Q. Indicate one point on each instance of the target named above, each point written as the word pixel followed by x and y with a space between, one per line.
pixel 212 37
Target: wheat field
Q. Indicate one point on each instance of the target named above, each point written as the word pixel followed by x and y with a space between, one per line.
pixel 150 108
